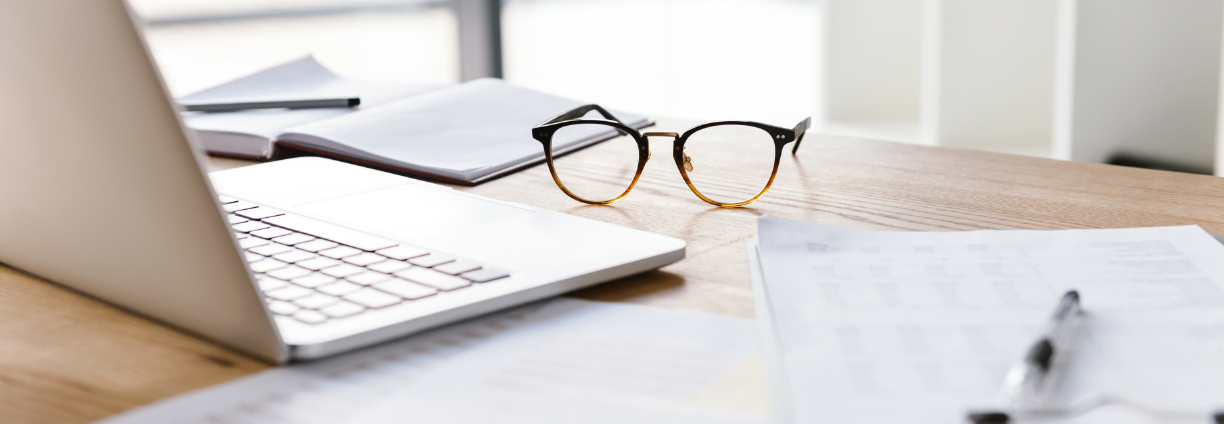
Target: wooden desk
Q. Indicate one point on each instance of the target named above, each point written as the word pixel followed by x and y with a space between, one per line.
pixel 65 358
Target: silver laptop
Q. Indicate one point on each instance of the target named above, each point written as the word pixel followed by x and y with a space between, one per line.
pixel 101 190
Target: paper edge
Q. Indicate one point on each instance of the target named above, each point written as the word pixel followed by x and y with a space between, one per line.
pixel 779 398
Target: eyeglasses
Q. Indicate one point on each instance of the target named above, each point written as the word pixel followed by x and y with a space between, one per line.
pixel 725 163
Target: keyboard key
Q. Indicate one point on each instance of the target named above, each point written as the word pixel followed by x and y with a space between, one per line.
pixel 343 270
pixel 282 308
pixel 270 249
pixel 239 205
pixel 267 265
pixel 270 233
pixel 289 273
pixel 318 263
pixel 269 284
pixel 342 309
pixel 372 298
pixel 314 280
pixel 339 288
pixel 289 293
pixel 365 259
pixel 240 236
pixel 457 267
pixel 295 256
pixel 368 277
pixel 260 213
pixel 316 301
pixel 403 252
pixel 295 238
pixel 406 289
pixel 315 246
pixel 251 257
pixel 225 199
pixel 430 260
pixel 340 252
pixel 310 317
pixel 252 242
pixel 389 266
pixel 433 278
pixel 235 219
pixel 484 275
pixel 332 232
pixel 249 226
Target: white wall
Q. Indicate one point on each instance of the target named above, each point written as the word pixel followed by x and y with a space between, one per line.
pixel 873 49
pixel 1072 79
pixel 996 74
pixel 1146 80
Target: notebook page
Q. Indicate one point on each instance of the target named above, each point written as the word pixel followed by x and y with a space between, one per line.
pixel 596 363
pixel 917 327
pixel 305 78
pixel 301 79
pixel 462 132
pixel 265 123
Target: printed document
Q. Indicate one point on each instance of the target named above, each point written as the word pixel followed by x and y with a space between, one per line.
pixel 876 327
pixel 559 361
pixel 592 363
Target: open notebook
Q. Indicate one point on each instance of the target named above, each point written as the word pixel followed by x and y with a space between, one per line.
pixel 464 134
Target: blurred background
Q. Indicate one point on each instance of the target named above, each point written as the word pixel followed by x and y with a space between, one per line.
pixel 699 59
pixel 1131 82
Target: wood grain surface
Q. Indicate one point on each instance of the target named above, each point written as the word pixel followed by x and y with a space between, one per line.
pixel 66 358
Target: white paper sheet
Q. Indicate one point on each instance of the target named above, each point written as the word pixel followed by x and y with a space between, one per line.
pixel 577 362
pixel 306 78
pixel 325 391
pixel 679 366
pixel 878 327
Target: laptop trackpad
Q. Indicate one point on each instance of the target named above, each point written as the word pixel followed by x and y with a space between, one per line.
pixel 412 211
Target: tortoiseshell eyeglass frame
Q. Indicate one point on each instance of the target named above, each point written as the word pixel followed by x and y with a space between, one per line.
pixel 544 133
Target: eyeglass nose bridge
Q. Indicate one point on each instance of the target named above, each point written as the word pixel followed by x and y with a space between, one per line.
pixel 661 134
pixel 688 162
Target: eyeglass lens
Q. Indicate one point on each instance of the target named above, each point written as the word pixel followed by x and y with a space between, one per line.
pixel 729 163
pixel 597 174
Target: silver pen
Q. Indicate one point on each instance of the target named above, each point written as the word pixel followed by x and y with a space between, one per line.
pixel 1024 384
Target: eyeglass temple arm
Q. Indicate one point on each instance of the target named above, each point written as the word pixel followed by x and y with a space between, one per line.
pixel 800 130
pixel 581 111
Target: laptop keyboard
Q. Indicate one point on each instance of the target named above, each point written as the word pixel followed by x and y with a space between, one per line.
pixel 316 272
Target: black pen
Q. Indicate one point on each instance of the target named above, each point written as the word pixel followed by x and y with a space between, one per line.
pixel 271 104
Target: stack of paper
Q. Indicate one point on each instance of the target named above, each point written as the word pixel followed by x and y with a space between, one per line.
pixel 884 327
